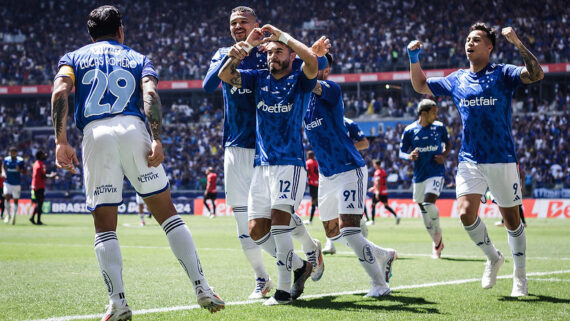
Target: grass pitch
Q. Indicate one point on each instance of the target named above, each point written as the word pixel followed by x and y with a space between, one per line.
pixel 50 272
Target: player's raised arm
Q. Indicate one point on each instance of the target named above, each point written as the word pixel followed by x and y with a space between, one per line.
pixel 229 72
pixel 419 79
pixel 532 72
pixel 310 62
pixel 153 112
pixel 65 156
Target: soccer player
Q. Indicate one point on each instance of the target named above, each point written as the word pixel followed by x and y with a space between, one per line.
pixel 487 157
pixel 2 179
pixel 380 190
pixel 239 148
pixel 12 169
pixel 422 143
pixel 281 97
pixel 140 207
pixel 342 181
pixel 110 79
pixel 211 191
pixel 39 176
pixel 313 182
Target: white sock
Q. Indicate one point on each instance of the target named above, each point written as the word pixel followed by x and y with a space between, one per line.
pixel 330 243
pixel 428 223
pixel 251 250
pixel 267 242
pixel 301 234
pixel 110 261
pixel 287 260
pixel 363 250
pixel 15 209
pixel 141 216
pixel 517 242
pixel 340 239
pixel 182 245
pixel 433 213
pixel 7 208
pixel 478 233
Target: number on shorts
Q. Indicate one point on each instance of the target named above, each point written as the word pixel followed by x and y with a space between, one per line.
pixel 436 183
pixel 347 193
pixel 515 187
pixel 284 186
pixel 122 92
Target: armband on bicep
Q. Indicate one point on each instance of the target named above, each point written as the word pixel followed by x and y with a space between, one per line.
pixel 66 71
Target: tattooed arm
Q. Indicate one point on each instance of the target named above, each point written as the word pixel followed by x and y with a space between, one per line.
pixel 532 71
pixel 65 156
pixel 229 72
pixel 153 112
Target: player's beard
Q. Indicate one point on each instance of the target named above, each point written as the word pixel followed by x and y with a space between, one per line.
pixel 281 65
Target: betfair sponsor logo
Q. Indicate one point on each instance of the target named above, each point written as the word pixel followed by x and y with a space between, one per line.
pixel 314 124
pixel 430 148
pixel 479 101
pixel 104 189
pixel 275 109
pixel 241 91
pixel 147 177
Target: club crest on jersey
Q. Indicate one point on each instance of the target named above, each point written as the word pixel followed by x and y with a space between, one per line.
pixel 240 91
pixel 275 109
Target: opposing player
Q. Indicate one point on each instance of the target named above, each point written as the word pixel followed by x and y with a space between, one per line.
pixel 313 181
pixel 12 168
pixel 361 143
pixel 109 80
pixel 380 190
pixel 239 144
pixel 211 191
pixel 487 157
pixel 426 143
pixel 342 181
pixel 281 97
pixel 39 176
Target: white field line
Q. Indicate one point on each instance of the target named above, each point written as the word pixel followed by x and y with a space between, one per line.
pixel 233 249
pixel 402 287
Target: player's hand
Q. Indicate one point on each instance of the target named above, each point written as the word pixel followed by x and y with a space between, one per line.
pixel 415 154
pixel 66 158
pixel 321 46
pixel 237 51
pixel 511 36
pixel 414 45
pixel 205 193
pixel 255 37
pixel 273 32
pixel 156 155
pixel 440 159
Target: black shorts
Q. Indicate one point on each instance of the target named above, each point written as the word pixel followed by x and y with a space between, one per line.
pixel 211 196
pixel 380 198
pixel 39 195
pixel 314 191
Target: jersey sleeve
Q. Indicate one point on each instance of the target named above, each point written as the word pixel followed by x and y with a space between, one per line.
pixel 511 75
pixel 330 92
pixel 441 86
pixel 306 85
pixel 405 145
pixel 65 67
pixel 444 134
pixel 148 69
pixel 248 78
pixel 212 81
pixel 354 132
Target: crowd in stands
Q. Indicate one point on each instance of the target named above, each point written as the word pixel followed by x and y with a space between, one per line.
pixel 367 35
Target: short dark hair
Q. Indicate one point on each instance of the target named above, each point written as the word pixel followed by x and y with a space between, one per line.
pixel 40 154
pixel 244 9
pixel 490 32
pixel 310 154
pixel 376 162
pixel 104 21
pixel 329 59
pixel 13 149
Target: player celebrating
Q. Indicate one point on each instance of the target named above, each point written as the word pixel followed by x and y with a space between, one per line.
pixel 211 191
pixel 342 181
pixel 380 190
pixel 282 95
pixel 12 168
pixel 487 157
pixel 39 176
pixel 110 79
pixel 422 143
pixel 313 182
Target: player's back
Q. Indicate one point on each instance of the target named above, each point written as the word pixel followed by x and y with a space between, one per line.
pixel 107 80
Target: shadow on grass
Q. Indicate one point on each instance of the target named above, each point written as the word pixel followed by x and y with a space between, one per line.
pixel 532 298
pixel 393 302
pixel 459 259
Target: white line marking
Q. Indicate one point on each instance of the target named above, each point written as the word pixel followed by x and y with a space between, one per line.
pixel 401 287
pixel 548 280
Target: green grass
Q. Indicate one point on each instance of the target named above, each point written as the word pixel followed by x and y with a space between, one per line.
pixel 51 271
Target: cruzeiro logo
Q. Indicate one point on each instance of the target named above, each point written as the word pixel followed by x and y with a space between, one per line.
pixel 275 109
pixel 147 177
pixel 105 189
pixel 479 101
pixel 289 262
pixel 367 255
pixel 108 282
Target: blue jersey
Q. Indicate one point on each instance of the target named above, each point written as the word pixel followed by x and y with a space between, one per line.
pixel 484 103
pixel 327 133
pixel 428 140
pixel 354 132
pixel 280 104
pixel 107 80
pixel 239 103
pixel 12 166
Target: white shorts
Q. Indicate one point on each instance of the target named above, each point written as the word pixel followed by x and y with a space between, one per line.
pixel 238 172
pixel 112 149
pixel 502 179
pixel 343 193
pixel 138 199
pixel 13 190
pixel 432 185
pixel 275 185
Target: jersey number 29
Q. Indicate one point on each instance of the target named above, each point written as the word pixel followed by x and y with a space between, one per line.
pixel 120 84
